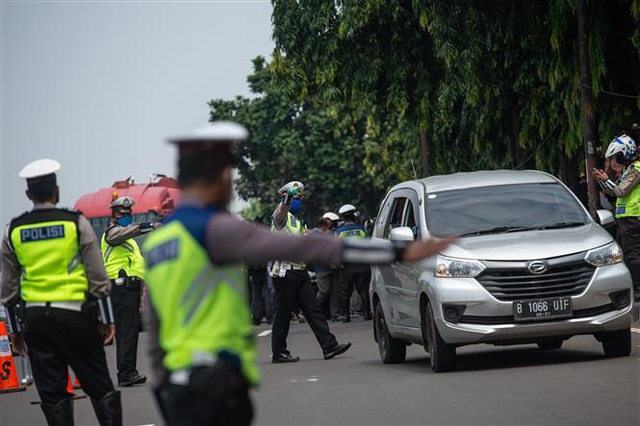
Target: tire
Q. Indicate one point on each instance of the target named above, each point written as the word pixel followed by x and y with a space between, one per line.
pixel 547 345
pixel 392 351
pixel 441 355
pixel 616 343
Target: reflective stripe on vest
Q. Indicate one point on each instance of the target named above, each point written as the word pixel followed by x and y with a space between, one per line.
pixel 629 205
pixel 125 255
pixel 202 307
pixel 292 226
pixel 52 269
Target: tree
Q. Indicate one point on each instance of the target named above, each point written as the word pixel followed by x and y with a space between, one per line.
pixel 298 141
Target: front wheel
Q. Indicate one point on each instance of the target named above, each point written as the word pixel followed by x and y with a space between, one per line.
pixel 441 355
pixel 616 343
pixel 392 351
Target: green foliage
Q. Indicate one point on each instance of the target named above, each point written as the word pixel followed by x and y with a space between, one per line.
pixel 488 84
pixel 298 141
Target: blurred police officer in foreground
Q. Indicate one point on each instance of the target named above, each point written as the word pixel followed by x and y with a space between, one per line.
pixel 351 276
pixel 623 150
pixel 125 267
pixel 51 267
pixel 203 348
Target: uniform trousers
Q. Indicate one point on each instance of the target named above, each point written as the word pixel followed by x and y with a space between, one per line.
pixel 58 339
pixel 260 297
pixel 357 276
pixel 126 312
pixel 214 397
pixel 629 234
pixel 329 294
pixel 295 288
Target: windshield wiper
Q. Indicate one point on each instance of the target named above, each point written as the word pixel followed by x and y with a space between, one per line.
pixel 561 225
pixel 497 230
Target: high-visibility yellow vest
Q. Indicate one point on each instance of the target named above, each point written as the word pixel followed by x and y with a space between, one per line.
pixel 125 256
pixel 202 307
pixel 46 244
pixel 293 226
pixel 629 205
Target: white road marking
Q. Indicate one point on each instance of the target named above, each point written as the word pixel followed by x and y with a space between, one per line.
pixel 311 379
pixel 635 330
pixel 264 333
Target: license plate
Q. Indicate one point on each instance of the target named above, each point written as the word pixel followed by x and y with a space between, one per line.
pixel 541 309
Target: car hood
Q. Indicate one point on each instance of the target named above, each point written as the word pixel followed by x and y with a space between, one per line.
pixel 528 245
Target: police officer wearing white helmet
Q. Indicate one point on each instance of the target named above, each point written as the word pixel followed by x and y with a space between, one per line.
pixel 329 296
pixel 125 267
pixel 624 151
pixel 52 273
pixel 353 276
pixel 202 343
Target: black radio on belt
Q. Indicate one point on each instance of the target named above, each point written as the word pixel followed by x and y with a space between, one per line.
pixel 132 283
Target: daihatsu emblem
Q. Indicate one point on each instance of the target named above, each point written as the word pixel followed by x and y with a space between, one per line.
pixel 537 267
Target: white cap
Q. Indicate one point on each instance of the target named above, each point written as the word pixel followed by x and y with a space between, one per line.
pixel 347 208
pixel 330 216
pixel 292 184
pixel 123 202
pixel 218 131
pixel 38 168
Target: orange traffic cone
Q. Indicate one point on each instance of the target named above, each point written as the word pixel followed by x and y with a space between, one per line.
pixel 76 382
pixel 8 377
pixel 69 384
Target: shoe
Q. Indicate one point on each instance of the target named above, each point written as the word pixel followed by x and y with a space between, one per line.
pixel 138 379
pixel 367 317
pixel 347 318
pixel 338 349
pixel 282 358
pixel 337 318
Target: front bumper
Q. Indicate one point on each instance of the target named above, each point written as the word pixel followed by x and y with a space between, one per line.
pixel 489 320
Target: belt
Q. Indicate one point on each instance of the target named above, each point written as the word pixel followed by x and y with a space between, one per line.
pixel 199 359
pixel 71 306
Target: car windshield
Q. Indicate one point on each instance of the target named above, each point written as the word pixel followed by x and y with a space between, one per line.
pixel 498 209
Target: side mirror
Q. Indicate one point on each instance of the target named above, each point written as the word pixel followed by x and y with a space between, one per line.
pixel 402 234
pixel 605 217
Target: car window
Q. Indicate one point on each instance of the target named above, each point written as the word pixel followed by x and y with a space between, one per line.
pixel 410 219
pixel 395 220
pixel 506 208
pixel 381 220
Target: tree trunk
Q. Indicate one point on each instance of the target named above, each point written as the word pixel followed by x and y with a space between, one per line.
pixel 588 107
pixel 424 155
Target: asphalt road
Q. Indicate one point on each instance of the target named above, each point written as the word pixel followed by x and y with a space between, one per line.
pixel 494 385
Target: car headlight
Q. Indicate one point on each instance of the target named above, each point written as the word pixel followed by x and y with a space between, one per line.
pixel 605 255
pixel 448 267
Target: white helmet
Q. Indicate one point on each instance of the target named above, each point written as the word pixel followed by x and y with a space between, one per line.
pixel 331 216
pixel 622 144
pixel 123 204
pixel 346 209
pixel 292 184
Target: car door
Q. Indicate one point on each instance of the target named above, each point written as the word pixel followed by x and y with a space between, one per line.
pixel 407 274
pixel 384 276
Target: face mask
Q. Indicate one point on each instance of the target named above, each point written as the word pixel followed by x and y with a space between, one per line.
pixel 296 206
pixel 125 220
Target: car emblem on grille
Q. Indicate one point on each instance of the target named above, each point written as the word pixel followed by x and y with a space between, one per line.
pixel 537 267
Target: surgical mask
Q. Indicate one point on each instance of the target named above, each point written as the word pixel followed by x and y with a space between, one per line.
pixel 296 206
pixel 124 220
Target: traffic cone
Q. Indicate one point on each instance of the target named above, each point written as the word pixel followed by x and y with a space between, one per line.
pixel 69 384
pixel 76 382
pixel 8 376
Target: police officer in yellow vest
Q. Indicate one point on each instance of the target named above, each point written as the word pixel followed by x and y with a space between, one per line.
pixel 624 151
pixel 292 285
pixel 202 344
pixel 53 275
pixel 125 267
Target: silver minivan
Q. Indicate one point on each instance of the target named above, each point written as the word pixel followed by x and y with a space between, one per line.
pixel 530 266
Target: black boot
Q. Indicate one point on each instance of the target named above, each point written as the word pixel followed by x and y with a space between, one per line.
pixel 108 409
pixel 60 414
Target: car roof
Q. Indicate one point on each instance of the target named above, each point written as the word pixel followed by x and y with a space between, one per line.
pixel 465 180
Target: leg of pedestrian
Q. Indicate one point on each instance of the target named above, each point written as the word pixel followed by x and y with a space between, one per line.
pixel 285 290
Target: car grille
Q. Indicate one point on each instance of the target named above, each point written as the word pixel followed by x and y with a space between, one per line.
pixel 561 279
